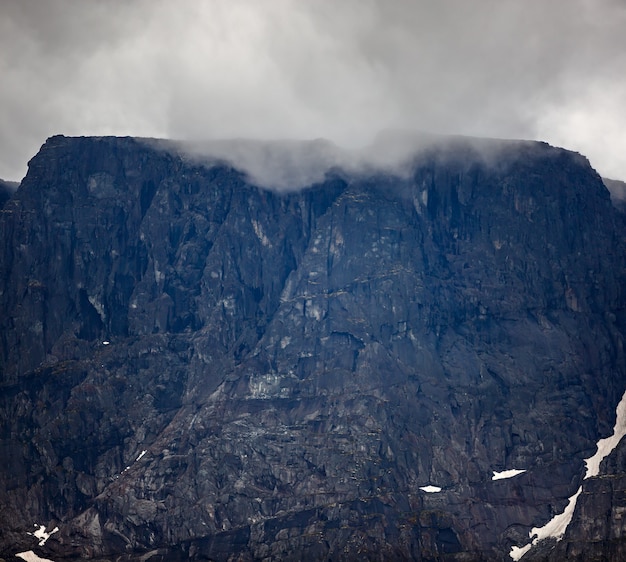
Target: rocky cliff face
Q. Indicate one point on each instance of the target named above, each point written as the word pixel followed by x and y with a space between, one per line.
pixel 7 188
pixel 194 367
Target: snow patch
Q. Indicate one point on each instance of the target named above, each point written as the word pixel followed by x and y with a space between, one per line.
pixel 517 552
pixel 554 528
pixel 506 474
pixel 557 526
pixel 430 489
pixel 42 535
pixel 138 458
pixel 605 446
pixel 30 556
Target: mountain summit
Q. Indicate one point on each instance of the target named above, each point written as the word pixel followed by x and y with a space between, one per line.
pixel 378 365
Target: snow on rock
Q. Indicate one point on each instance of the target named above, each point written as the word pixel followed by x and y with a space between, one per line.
pixel 138 458
pixel 554 528
pixel 517 552
pixel 42 535
pixel 30 556
pixel 605 446
pixel 506 474
pixel 557 526
pixel 430 489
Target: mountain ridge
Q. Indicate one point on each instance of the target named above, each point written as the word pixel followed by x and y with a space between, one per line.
pixel 299 365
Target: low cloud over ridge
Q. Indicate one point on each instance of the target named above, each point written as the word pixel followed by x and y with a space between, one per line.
pixel 314 69
pixel 287 165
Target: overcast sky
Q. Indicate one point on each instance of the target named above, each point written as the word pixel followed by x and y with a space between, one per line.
pixel 551 70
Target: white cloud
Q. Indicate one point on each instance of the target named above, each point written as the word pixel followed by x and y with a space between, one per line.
pixel 591 122
pixel 313 68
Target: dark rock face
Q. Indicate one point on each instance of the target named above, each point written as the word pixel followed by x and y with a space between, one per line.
pixel 7 188
pixel 196 368
pixel 617 190
pixel 599 530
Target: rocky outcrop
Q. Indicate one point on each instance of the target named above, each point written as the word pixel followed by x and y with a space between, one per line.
pixel 194 367
pixel 618 193
pixel 598 530
pixel 7 188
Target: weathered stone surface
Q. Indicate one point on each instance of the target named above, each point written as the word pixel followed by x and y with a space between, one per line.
pixel 7 188
pixel 195 367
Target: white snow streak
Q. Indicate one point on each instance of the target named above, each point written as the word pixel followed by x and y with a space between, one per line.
pixel 605 446
pixel 506 474
pixel 557 526
pixel 554 528
pixel 138 458
pixel 517 552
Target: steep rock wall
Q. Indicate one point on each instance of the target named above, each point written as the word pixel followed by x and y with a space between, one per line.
pixel 196 367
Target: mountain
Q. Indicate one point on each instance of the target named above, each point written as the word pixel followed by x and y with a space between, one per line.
pixel 196 367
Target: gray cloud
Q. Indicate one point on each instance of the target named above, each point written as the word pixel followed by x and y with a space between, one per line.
pixel 287 165
pixel 340 70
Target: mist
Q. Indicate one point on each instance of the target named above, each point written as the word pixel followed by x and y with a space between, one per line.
pixel 290 165
pixel 314 69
